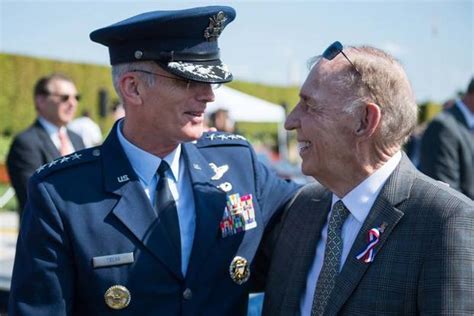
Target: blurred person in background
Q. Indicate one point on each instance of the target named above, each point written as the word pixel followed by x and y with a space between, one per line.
pixel 89 130
pixel 447 146
pixel 55 98
pixel 118 111
pixel 221 120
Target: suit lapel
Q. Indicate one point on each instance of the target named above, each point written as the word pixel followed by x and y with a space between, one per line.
pixel 210 203
pixel 306 222
pixel 76 140
pixel 133 208
pixel 49 149
pixel 384 211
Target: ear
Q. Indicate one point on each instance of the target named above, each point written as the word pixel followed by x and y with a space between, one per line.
pixel 40 102
pixel 369 120
pixel 129 87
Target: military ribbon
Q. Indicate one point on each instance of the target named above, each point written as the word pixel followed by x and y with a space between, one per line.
pixel 368 254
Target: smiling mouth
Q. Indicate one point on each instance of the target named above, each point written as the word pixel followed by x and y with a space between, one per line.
pixel 196 114
pixel 303 146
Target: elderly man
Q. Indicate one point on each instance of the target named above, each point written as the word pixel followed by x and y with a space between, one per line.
pixel 56 99
pixel 378 237
pixel 161 219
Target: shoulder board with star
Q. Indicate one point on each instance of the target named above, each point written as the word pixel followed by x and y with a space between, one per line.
pixel 74 159
pixel 221 139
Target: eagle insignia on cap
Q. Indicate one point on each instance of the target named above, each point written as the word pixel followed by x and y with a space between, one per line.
pixel 216 25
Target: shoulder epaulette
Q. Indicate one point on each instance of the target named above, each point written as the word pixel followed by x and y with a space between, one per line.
pixel 74 159
pixel 221 138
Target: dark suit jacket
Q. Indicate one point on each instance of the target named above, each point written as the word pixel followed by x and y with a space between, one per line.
pixel 447 151
pixel 31 149
pixel 424 262
pixel 91 204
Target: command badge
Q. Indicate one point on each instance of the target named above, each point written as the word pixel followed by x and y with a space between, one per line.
pixel 117 297
pixel 239 270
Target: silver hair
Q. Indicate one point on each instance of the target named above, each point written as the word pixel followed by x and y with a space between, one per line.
pixel 120 69
pixel 382 80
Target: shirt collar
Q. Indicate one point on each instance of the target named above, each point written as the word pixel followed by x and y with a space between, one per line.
pixel 360 200
pixel 468 115
pixel 50 128
pixel 145 164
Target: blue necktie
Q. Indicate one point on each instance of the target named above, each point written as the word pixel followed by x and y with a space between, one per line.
pixel 165 206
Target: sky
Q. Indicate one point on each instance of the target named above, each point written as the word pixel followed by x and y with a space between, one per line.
pixel 271 41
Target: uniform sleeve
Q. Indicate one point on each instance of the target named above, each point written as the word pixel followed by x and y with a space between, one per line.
pixel 23 159
pixel 276 196
pixel 42 281
pixel 439 154
pixel 273 192
pixel 447 279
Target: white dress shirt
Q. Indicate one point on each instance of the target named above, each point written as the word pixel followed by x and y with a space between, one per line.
pixel 145 166
pixel 53 132
pixel 359 201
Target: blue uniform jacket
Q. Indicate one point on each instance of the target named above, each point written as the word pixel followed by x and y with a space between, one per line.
pixel 91 204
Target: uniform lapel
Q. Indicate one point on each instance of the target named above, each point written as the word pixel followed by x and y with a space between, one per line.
pixel 384 212
pixel 133 208
pixel 210 203
pixel 307 220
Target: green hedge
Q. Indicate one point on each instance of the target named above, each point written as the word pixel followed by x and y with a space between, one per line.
pixel 18 74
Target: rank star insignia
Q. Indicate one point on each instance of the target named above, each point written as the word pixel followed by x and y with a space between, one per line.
pixel 219 171
pixel 117 297
pixel 41 168
pixel 239 270
pixel 211 136
pixel 52 163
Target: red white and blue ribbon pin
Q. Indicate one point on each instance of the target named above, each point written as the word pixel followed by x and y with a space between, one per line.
pixel 368 254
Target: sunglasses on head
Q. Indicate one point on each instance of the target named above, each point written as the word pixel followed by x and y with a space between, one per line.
pixel 65 97
pixel 335 49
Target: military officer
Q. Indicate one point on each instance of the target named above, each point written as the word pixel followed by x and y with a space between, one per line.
pixel 162 219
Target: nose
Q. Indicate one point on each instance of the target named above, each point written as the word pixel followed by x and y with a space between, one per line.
pixel 292 120
pixel 205 93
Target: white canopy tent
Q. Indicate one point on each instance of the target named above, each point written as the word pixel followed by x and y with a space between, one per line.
pixel 243 107
pixel 246 108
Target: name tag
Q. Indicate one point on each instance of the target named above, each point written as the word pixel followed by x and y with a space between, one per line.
pixel 112 260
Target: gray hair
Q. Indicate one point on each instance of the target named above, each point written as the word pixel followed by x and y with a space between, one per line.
pixel 120 69
pixel 383 81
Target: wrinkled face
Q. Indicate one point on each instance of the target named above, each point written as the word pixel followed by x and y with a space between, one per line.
pixel 173 108
pixel 59 106
pixel 323 129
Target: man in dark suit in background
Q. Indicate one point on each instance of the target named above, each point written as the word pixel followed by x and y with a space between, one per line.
pixel 161 219
pixel 55 99
pixel 447 146
pixel 378 237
